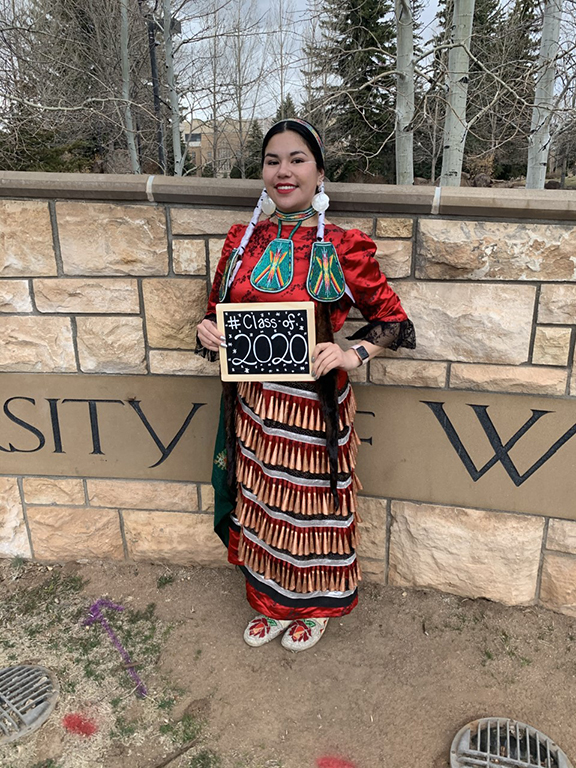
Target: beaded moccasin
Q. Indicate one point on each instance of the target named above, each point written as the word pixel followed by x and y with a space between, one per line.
pixel 263 629
pixel 303 634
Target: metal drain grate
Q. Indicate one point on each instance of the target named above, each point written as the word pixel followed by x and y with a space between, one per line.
pixel 497 741
pixel 27 697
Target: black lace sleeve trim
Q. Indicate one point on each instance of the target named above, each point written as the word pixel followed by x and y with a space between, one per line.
pixel 386 334
pixel 208 354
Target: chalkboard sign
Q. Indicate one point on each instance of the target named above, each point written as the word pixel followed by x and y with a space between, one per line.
pixel 267 341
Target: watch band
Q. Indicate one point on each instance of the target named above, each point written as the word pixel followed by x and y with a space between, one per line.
pixel 362 353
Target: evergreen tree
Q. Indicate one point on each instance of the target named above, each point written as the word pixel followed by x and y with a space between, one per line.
pixel 254 151
pixel 286 109
pixel 355 51
pixel 30 148
pixel 485 46
pixel 521 51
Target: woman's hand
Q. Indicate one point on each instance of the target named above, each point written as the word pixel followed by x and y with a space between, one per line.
pixel 209 335
pixel 327 356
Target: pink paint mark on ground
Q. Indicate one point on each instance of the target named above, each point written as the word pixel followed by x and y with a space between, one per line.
pixel 77 723
pixel 333 762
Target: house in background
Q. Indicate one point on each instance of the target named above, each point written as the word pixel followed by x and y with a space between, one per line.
pixel 215 147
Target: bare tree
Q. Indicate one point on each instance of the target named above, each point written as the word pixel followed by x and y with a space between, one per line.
pixel 129 122
pixel 74 85
pixel 404 93
pixel 218 91
pixel 539 143
pixel 315 78
pixel 455 126
pixel 168 27
pixel 283 45
pixel 247 64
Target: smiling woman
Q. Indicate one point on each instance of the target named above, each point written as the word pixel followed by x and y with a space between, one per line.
pixel 290 172
pixel 287 506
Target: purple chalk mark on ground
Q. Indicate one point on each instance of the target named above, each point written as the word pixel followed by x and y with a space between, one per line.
pixel 95 615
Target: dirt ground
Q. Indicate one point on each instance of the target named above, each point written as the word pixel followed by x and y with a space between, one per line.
pixel 387 687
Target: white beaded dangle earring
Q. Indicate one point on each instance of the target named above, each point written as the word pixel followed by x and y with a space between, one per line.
pixel 268 205
pixel 320 203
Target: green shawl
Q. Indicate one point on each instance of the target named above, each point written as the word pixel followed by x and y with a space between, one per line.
pixel 224 500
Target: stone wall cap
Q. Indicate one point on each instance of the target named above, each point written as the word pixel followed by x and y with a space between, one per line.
pixel 240 193
pixel 369 199
pixel 195 190
pixel 503 202
pixel 73 186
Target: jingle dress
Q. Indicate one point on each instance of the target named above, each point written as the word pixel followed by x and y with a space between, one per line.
pixel 295 548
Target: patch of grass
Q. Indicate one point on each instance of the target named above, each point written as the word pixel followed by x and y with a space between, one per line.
pixel 67 686
pixel 46 764
pixel 205 759
pixel 457 623
pixel 505 639
pixel 17 563
pixel 488 656
pixel 123 729
pixel 46 598
pixel 92 671
pixel 190 728
pixel 43 611
pixel 182 731
pixel 48 621
pixel 138 633
pixel 165 579
pixel 511 651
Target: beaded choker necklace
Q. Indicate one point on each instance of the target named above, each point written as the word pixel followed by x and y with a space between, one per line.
pixel 275 268
pixel 296 215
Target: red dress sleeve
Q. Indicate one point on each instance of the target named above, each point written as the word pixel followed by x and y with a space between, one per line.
pixel 388 323
pixel 232 241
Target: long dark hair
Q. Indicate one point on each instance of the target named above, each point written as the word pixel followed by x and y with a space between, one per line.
pixel 304 132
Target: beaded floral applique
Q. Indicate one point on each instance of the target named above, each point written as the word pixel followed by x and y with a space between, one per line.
pixel 221 460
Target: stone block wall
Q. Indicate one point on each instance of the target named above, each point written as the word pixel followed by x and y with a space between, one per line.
pixel 109 275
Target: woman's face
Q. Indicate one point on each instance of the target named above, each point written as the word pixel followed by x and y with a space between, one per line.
pixel 290 174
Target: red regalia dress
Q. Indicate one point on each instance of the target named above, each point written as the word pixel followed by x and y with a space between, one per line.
pixel 296 549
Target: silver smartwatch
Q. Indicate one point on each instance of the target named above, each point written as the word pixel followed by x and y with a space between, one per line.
pixel 362 353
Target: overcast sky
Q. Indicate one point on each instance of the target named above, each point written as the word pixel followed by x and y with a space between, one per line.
pixel 294 82
pixel 426 20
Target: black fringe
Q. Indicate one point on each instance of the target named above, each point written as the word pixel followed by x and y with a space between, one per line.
pixel 208 354
pixel 229 390
pixel 387 334
pixel 328 395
